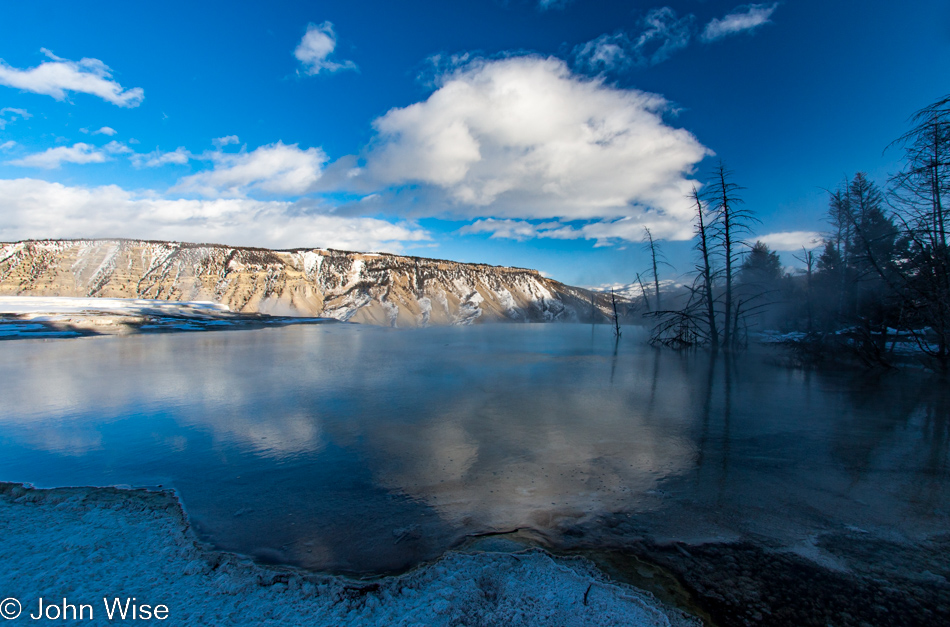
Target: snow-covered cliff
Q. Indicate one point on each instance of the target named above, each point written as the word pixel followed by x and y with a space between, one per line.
pixel 360 287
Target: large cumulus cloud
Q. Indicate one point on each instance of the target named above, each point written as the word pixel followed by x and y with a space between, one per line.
pixel 525 138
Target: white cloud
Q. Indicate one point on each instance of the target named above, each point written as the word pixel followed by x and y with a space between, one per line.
pixel 30 208
pixel 603 232
pixel 10 114
pixel 662 33
pixel 23 113
pixel 58 76
pixel 744 18
pixel 524 138
pixel 81 153
pixel 227 140
pixel 157 158
pixel 116 148
pixel 274 169
pixel 105 130
pixel 315 48
pixel 519 230
pixel 54 157
pixel 7 145
pixel 791 240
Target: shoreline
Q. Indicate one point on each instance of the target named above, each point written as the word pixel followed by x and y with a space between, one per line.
pixel 61 317
pixel 83 544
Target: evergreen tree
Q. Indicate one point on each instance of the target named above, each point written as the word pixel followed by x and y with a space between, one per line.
pixel 761 266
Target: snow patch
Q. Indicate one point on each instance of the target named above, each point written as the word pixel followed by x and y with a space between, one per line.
pixel 425 306
pixel 131 306
pixel 392 311
pixel 311 264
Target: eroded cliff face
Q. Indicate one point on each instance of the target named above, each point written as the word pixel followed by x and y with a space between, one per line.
pixel 371 288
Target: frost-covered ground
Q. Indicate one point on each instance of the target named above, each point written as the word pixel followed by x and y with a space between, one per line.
pixel 48 316
pixel 896 342
pixel 86 544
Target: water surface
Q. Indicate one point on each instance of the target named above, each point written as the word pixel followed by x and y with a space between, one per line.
pixel 361 449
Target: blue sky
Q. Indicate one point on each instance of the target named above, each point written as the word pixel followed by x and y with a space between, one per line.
pixel 537 134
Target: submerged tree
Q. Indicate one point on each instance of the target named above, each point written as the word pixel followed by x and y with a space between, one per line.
pixel 732 221
pixel 613 301
pixel 720 223
pixel 643 292
pixel 705 270
pixel 878 270
pixel 656 259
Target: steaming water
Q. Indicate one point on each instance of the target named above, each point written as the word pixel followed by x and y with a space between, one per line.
pixel 361 449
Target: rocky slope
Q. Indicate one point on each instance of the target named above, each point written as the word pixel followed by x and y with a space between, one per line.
pixel 372 288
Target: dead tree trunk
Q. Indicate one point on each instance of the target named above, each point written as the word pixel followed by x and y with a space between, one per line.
pixel 656 277
pixel 613 301
pixel 706 271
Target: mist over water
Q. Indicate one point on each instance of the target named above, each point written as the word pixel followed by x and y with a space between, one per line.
pixel 362 449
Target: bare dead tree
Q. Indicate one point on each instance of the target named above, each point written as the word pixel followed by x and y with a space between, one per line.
pixel 643 292
pixel 732 221
pixel 685 327
pixel 922 186
pixel 652 246
pixel 705 269
pixel 918 197
pixel 613 301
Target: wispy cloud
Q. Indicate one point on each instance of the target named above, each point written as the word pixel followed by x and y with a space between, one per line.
pixel 742 19
pixel 10 114
pixel 227 140
pixel 662 33
pixel 605 53
pixel 58 76
pixel 519 230
pixel 315 48
pixel 157 158
pixel 7 145
pixel 544 5
pixel 105 130
pixel 273 169
pixel 604 232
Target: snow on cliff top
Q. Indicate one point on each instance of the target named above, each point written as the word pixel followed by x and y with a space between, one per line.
pixel 129 306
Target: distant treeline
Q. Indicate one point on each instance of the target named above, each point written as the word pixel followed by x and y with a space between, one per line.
pixel 877 287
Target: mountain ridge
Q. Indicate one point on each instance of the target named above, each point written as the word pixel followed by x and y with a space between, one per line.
pixel 374 288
